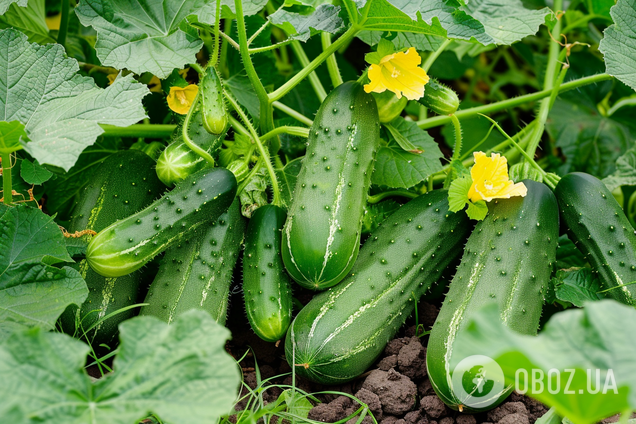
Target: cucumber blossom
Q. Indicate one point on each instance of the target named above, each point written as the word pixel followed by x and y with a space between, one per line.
pixel 266 285
pixel 599 228
pixel 439 98
pixel 508 259
pixel 342 331
pixel 197 271
pixel 321 237
pixel 215 116
pixel 129 244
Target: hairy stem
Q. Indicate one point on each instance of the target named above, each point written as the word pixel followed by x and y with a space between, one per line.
pixel 297 131
pixel 7 186
pixel 313 76
pixel 217 35
pixel 186 136
pixel 434 55
pixel 139 130
pixel 332 63
pixel 458 137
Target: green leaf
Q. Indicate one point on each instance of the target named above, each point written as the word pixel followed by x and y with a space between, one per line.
pixel 297 403
pixel 142 36
pixel 179 372
pixel 244 92
pixel 601 336
pixel 5 4
pixel 13 414
pixel 62 110
pixel 404 40
pixel 568 256
pixel 207 13
pixel 625 171
pixel 577 286
pixel 477 210
pixel 458 193
pixel 404 142
pixel 287 179
pixel 619 43
pixel 76 246
pixel 397 168
pixel 374 214
pixel 11 135
pixel 34 173
pixel 29 20
pixel 324 19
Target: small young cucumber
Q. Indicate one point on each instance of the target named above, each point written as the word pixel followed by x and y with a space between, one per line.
pixel 508 259
pixel 598 226
pixel 389 106
pixel 197 272
pixel 215 116
pixel 342 331
pixel 321 237
pixel 439 98
pixel 129 244
pixel 266 286
pixel 123 184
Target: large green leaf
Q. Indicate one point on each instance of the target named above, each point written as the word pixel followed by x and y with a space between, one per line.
pixel 404 40
pixel 207 13
pixel 179 372
pixel 619 42
pixel 577 286
pixel 29 20
pixel 60 109
pixel 5 4
pixel 625 171
pixel 301 27
pixel 601 336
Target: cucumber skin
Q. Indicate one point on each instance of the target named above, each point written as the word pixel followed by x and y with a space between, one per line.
pixel 321 238
pixel 197 272
pixel 597 225
pixel 508 237
pixel 266 285
pixel 200 198
pixel 342 331
pixel 439 98
pixel 110 196
pixel 176 162
pixel 215 116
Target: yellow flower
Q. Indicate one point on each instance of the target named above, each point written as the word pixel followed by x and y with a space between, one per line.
pixel 490 179
pixel 180 98
pixel 399 73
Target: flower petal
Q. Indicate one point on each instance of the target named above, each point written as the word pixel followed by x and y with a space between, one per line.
pixel 399 73
pixel 181 98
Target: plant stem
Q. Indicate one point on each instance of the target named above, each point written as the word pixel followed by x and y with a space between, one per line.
pixel 270 47
pixel 238 127
pixel 434 55
pixel 227 27
pixel 186 137
pixel 313 76
pixel 293 113
pixel 61 34
pixel 139 130
pixel 198 68
pixel 297 131
pixel 584 20
pixel 217 30
pixel 332 63
pixel 458 137
pixel 293 81
pixel 436 121
pixel 392 193
pixel 261 148
pixel 7 185
pixel 257 33
pixel 230 40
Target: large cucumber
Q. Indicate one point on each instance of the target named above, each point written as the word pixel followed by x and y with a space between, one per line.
pixel 129 244
pixel 341 331
pixel 266 285
pixel 197 272
pixel 508 259
pixel 321 237
pixel 599 228
pixel 123 184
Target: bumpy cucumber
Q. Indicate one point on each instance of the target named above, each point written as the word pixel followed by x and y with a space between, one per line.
pixel 129 244
pixel 341 331
pixel 508 259
pixel 266 286
pixel 599 228
pixel 321 237
pixel 439 98
pixel 197 272
pixel 123 184
pixel 215 116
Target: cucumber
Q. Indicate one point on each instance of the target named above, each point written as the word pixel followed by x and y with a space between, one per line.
pixel 129 244
pixel 197 272
pixel 321 238
pixel 266 286
pixel 215 116
pixel 439 98
pixel 389 106
pixel 599 228
pixel 342 331
pixel 122 184
pixel 508 259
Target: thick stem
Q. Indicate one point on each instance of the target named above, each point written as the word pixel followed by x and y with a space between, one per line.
pixel 436 121
pixel 293 113
pixel 217 31
pixel 227 28
pixel 186 136
pixel 332 63
pixel 434 55
pixel 61 35
pixel 393 193
pixel 293 81
pixel 7 186
pixel 458 137
pixel 297 131
pixel 139 130
pixel 313 77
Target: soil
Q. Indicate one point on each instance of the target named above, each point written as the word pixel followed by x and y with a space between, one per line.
pixel 396 389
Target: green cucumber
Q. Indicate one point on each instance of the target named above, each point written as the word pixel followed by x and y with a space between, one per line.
pixel 439 98
pixel 121 185
pixel 266 286
pixel 321 238
pixel 599 228
pixel 389 106
pixel 129 244
pixel 197 272
pixel 508 259
pixel 342 331
pixel 215 116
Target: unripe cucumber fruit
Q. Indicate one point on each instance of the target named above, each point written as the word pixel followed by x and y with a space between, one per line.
pixel 266 285
pixel 599 228
pixel 197 271
pixel 508 259
pixel 129 244
pixel 439 98
pixel 215 116
pixel 121 185
pixel 321 238
pixel 342 331
pixel 389 106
